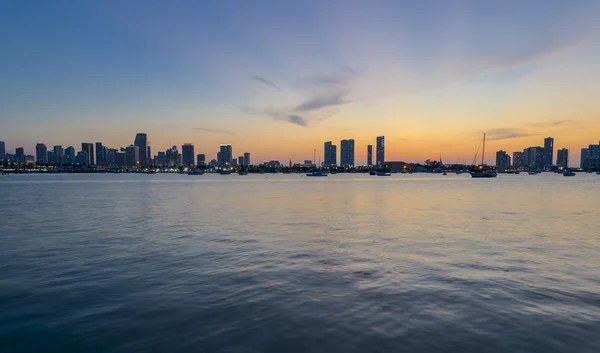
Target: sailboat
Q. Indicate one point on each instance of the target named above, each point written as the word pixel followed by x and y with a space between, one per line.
pixel 481 171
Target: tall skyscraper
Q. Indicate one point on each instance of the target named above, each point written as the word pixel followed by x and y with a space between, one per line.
pixel 70 155
pixel 99 153
pixel 329 154
pixel 82 158
pixel 20 154
pixel 380 158
pixel 594 151
pixel 241 161
pixel 585 158
pixel 369 155
pixel 162 158
pixel 41 153
pixel 517 160
pixel 347 153
pixel 187 150
pixel 201 159
pixel 2 151
pixel 59 154
pixel 548 151
pixel 502 160
pixel 172 157
pixel 247 158
pixel 534 157
pixel 226 154
pixel 51 157
pixel 562 158
pixel 88 148
pixel 141 141
pixel 132 156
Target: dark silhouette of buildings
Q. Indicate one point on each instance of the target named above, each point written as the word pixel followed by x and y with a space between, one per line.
pixel 380 158
pixel 329 154
pixel 141 141
pixel 347 153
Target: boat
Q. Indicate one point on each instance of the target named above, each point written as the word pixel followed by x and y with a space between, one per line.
pixel 458 171
pixel 568 173
pixel 316 173
pixel 372 172
pixel 598 173
pixel 242 172
pixel 195 172
pixel 481 171
pixel 533 172
pixel 225 172
pixel 444 173
pixel 383 174
pixel 589 172
pixel 150 172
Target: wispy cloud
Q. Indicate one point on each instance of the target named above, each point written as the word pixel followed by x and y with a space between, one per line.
pixel 265 81
pixel 506 134
pixel 214 131
pixel 319 102
pixel 295 119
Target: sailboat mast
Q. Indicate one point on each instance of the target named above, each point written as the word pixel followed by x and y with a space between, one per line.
pixel 483 152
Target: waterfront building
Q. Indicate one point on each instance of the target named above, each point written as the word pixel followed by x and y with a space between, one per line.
pixel 369 155
pixel 172 157
pixel 241 161
pixel 585 158
pixel 562 158
pixel 201 159
pixel 187 152
pixel 226 155
pixel 59 154
pixel 162 158
pixel 330 154
pixel 2 151
pixel 502 160
pixel 594 153
pixel 141 141
pixel 99 153
pixel 234 162
pixel 119 158
pixel 88 148
pixel 534 157
pixel 51 158
pixel 380 157
pixel 70 155
pixel 548 152
pixel 29 159
pixel 518 160
pixel 110 156
pixel 20 155
pixel 82 158
pixel 132 156
pixel 347 153
pixel 247 158
pixel 41 153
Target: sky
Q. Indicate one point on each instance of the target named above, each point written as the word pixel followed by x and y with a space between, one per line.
pixel 279 78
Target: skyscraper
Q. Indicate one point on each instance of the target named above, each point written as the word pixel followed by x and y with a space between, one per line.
pixel 517 160
pixel 380 158
pixel 172 156
pixel 70 156
pixel 187 150
pixel 162 158
pixel 502 160
pixel 585 158
pixel 329 154
pixel 226 154
pixel 369 155
pixel 132 156
pixel 2 151
pixel 548 152
pixel 562 158
pixel 594 151
pixel 347 153
pixel 141 141
pixel 201 159
pixel 99 153
pixel 20 154
pixel 51 157
pixel 88 148
pixel 241 161
pixel 41 153
pixel 59 154
pixel 247 158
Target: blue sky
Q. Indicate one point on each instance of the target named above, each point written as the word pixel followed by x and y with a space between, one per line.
pixel 296 72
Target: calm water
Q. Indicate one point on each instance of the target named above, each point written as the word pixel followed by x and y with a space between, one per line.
pixel 286 263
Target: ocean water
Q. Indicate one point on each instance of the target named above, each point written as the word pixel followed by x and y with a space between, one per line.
pixel 286 263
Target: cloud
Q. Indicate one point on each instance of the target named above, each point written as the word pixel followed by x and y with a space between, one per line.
pixel 295 119
pixel 319 102
pixel 214 131
pixel 265 81
pixel 505 134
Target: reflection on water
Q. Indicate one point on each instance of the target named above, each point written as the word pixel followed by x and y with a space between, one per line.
pixel 285 263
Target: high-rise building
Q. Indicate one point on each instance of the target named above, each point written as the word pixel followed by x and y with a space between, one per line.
pixel 41 153
pixel 82 158
pixel 172 157
pixel 226 154
pixel 99 153
pixel 329 154
pixel 88 148
pixel 132 156
pixel 109 158
pixel 241 161
pixel 51 158
pixel 2 151
pixel 517 160
pixel 120 158
pixel 380 158
pixel 201 159
pixel 369 155
pixel 247 158
pixel 585 158
pixel 149 155
pixel 234 162
pixel 187 151
pixel 347 153
pixel 70 155
pixel 59 154
pixel 162 158
pixel 141 141
pixel 502 160
pixel 534 157
pixel 562 158
pixel 594 151
pixel 548 152
pixel 20 155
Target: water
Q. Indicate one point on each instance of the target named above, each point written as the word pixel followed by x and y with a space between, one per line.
pixel 286 263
